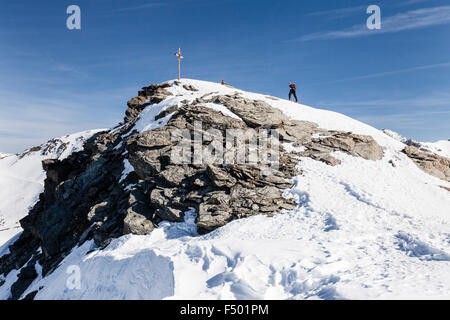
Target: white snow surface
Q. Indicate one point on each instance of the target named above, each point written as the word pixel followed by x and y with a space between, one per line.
pixel 22 179
pixel 128 168
pixel 441 147
pixel 362 230
pixel 395 135
pixel 221 108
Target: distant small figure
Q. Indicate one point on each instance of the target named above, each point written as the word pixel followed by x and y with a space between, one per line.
pixel 293 91
pixel 223 82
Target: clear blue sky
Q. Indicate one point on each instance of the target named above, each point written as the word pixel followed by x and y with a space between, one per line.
pixel 55 81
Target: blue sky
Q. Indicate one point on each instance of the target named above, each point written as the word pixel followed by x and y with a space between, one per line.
pixel 55 81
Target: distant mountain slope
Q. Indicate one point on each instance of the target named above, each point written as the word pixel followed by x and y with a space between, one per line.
pixel 441 147
pixel 348 215
pixel 22 178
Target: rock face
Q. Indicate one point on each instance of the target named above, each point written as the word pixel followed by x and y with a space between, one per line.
pixel 219 193
pixel 320 148
pixel 256 114
pixel 433 164
pixel 87 196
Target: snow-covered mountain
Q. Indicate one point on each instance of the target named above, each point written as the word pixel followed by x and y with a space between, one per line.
pixel 351 213
pixel 22 178
pixel 441 147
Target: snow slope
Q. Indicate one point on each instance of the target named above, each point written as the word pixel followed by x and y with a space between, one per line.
pixel 22 179
pixel 362 229
pixel 441 147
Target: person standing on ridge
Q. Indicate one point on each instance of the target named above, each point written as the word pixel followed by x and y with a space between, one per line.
pixel 293 91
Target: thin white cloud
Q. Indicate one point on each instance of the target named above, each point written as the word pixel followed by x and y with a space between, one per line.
pixel 338 12
pixel 389 73
pixel 31 120
pixel 411 2
pixel 414 19
pixel 436 99
pixel 402 124
pixel 426 113
pixel 142 7
pixel 420 122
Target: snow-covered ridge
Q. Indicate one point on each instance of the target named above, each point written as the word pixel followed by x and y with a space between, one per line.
pixel 397 136
pixel 441 147
pixel 22 178
pixel 362 229
pixel 324 118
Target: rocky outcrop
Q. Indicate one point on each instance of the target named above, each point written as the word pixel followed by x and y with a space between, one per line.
pixel 433 164
pixel 138 215
pixel 321 146
pixel 61 147
pixel 424 155
pixel 189 87
pixel 147 96
pixel 421 146
pixel 88 197
pixel 255 113
pixel 319 143
pixel 219 193
pixel 135 106
pixel 53 146
pixel 155 92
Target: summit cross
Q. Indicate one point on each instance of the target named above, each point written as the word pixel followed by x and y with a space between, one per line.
pixel 179 57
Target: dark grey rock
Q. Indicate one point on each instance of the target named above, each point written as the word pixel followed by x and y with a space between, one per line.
pixel 136 223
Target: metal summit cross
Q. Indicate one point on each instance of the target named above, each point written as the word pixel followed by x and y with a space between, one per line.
pixel 180 57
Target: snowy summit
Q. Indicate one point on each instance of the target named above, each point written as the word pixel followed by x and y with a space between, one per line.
pixel 336 210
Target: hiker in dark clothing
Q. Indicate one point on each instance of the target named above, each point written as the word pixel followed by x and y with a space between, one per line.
pixel 292 91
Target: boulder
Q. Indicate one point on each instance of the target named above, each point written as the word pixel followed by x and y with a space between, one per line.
pixel 155 93
pixel 135 106
pixel 153 139
pixel 255 113
pixel 220 177
pixel 173 175
pixel 189 87
pixel 214 211
pixel 367 148
pixel 136 102
pixel 136 223
pixel 168 204
pixel 431 163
